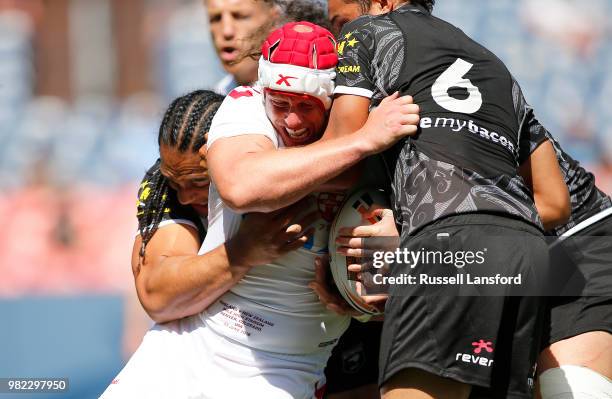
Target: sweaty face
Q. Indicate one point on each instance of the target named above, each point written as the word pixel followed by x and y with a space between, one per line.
pixel 339 13
pixel 232 25
pixel 188 175
pixel 299 119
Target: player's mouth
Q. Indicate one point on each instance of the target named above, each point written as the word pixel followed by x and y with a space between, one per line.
pixel 201 210
pixel 228 54
pixel 297 137
pixel 297 134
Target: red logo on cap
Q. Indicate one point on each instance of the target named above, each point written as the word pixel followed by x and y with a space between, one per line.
pixel 285 80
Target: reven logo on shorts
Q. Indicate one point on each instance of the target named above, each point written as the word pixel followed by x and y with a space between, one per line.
pixel 479 346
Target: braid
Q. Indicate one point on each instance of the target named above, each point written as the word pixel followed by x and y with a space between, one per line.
pixel 193 116
pixel 184 128
pixel 153 211
pixel 204 124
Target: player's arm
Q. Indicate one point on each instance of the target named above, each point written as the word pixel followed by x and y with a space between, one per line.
pixel 252 175
pixel 542 174
pixel 539 167
pixel 348 114
pixel 173 281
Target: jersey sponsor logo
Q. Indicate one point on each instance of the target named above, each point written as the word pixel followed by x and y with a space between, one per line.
pixel 479 346
pixel 350 69
pixel 458 125
pixel 353 359
pixel 284 79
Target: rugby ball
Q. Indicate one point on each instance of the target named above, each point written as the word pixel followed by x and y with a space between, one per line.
pixel 353 212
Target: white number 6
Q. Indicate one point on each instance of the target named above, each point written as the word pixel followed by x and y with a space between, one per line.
pixel 453 77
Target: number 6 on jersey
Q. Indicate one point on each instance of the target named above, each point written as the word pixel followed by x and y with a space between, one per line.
pixel 453 77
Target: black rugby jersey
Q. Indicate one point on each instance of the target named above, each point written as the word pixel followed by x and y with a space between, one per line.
pixel 465 156
pixel 173 210
pixel 586 199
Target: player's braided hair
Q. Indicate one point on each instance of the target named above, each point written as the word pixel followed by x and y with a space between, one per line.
pixel 365 5
pixel 184 127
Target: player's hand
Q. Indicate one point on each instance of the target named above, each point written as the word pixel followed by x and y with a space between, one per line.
pixel 395 118
pixel 360 242
pixel 327 292
pixel 264 237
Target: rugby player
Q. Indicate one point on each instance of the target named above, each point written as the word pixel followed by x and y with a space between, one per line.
pixel 239 27
pixel 351 370
pixel 172 281
pixel 577 360
pixel 232 23
pixel 472 126
pixel 287 109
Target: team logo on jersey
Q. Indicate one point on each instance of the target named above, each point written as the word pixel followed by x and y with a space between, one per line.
pixel 329 204
pixel 349 40
pixel 242 91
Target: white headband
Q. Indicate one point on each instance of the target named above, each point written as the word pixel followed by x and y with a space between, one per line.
pixel 318 83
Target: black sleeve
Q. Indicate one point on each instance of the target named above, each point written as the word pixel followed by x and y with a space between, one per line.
pixel 531 132
pixel 354 73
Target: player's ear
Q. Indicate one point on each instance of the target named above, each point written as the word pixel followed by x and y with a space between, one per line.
pixel 381 7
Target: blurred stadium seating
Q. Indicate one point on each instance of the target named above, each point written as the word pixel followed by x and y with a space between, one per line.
pixel 69 169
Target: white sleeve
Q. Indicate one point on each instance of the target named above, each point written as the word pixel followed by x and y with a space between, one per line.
pixel 223 223
pixel 241 113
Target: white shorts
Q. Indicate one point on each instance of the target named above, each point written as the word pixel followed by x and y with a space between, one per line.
pixel 186 359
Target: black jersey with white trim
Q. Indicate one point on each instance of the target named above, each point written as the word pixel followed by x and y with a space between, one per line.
pixel 586 199
pixel 174 211
pixel 465 156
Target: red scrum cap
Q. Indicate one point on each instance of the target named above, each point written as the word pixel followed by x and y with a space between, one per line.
pixel 300 57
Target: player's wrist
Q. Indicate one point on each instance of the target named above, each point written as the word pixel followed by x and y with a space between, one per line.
pixel 236 254
pixel 363 146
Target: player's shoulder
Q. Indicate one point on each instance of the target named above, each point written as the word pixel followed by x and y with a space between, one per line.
pixel 244 93
pixel 361 25
pixel 243 99
pixel 145 183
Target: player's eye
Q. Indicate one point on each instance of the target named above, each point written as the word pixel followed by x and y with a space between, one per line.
pixel 241 15
pixel 306 107
pixel 280 104
pixel 214 18
pixel 200 183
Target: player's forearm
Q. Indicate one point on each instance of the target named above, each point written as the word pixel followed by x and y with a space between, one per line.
pixel 181 286
pixel 552 215
pixel 269 180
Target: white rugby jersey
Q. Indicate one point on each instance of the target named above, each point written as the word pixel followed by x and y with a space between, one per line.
pixel 271 308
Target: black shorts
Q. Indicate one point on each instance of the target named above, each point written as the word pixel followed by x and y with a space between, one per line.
pixel 354 361
pixel 482 335
pixel 584 302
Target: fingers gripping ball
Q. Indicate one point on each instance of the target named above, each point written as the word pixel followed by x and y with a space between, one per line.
pixel 353 212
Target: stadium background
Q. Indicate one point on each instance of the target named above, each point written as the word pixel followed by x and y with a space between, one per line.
pixel 83 85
